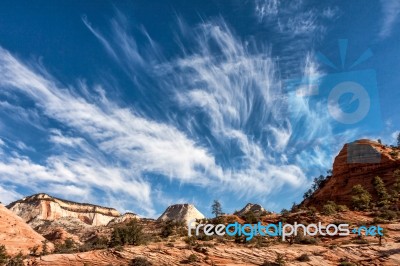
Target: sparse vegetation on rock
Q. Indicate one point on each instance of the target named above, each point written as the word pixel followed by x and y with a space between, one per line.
pixel 69 246
pixel 383 196
pixel 129 234
pixel 361 198
pixel 140 261
pixel 329 208
pixel 250 218
pixel 3 255
pixel 303 258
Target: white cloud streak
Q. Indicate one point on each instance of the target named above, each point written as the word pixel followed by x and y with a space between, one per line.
pixel 390 12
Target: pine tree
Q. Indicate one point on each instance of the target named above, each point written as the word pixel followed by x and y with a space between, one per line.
pixel 398 140
pixel 383 196
pixel 216 208
pixel 361 198
pixel 395 191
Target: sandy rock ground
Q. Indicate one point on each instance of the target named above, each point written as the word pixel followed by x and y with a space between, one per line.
pixel 231 254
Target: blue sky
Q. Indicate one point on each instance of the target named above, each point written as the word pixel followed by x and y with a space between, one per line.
pixel 139 105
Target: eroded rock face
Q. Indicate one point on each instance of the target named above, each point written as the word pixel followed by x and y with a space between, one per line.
pixel 250 207
pixel 45 207
pixel 124 218
pixel 357 163
pixel 181 212
pixel 16 235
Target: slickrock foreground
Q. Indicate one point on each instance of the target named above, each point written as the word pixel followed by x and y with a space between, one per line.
pixel 15 234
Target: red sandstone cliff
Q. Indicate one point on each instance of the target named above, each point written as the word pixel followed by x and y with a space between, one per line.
pixel 357 163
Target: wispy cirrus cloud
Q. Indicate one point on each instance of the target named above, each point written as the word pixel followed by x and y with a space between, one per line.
pixel 238 91
pixel 220 122
pixel 139 144
pixel 391 13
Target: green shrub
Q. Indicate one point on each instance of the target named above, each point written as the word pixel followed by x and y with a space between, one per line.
pixel 312 211
pixel 140 261
pixel 250 218
pixel 303 258
pixel 191 241
pixel 305 240
pixel 33 251
pixel 16 261
pixel 192 258
pixel 129 234
pixel 3 255
pixel 342 208
pixel 329 208
pixel 387 214
pixel 394 154
pixel 45 247
pixel 279 261
pixel 361 198
pixel 360 241
pixel 346 263
pixel 69 246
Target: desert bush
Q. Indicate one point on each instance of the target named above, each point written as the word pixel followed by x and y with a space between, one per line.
pixel 279 261
pixel 33 250
pixel 129 234
pixel 119 248
pixel 312 211
pixel 394 154
pixel 303 258
pixel 360 241
pixel 191 241
pixel 345 262
pixel 250 218
pixel 342 208
pixel 378 220
pixel 171 227
pixel 192 258
pixel 3 255
pixel 140 261
pixel 329 208
pixel 18 260
pixel 200 249
pixel 361 198
pixel 96 243
pixel 285 212
pixel 387 214
pixel 45 247
pixel 305 240
pixel 69 246
pixel 167 229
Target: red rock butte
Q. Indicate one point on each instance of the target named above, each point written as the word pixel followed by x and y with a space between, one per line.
pixel 358 162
